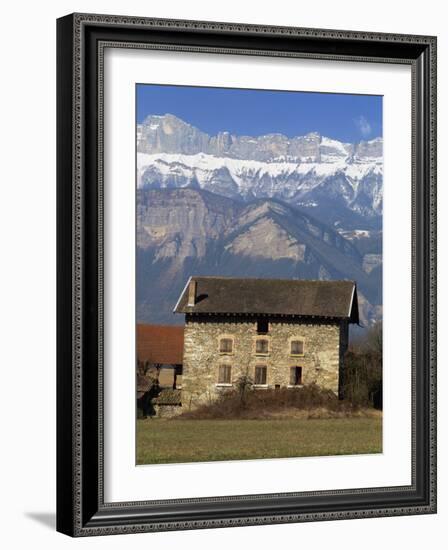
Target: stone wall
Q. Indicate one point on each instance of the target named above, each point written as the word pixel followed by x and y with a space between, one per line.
pixel 167 411
pixel 320 360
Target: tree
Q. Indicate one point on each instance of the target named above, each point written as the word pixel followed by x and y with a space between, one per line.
pixel 363 369
pixel 374 339
pixel 244 384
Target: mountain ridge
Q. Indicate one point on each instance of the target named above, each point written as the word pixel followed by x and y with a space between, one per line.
pixel 191 231
pixel 304 170
pixel 157 133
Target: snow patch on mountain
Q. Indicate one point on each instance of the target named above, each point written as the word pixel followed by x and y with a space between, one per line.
pixel 311 169
pixel 201 163
pixel 232 177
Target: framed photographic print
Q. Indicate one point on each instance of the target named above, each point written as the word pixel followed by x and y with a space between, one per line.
pixel 246 274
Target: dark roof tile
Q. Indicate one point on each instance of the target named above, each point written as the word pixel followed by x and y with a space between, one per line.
pixel 168 397
pixel 240 296
pixel 144 383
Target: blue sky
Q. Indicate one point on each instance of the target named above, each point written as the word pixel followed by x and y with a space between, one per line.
pixel 346 117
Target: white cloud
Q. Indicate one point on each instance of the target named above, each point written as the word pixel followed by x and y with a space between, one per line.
pixel 363 126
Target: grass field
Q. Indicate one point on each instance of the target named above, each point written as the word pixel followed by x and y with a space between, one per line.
pixel 163 441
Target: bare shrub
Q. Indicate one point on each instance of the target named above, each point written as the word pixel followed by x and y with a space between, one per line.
pixel 363 370
pixel 268 403
pixel 244 385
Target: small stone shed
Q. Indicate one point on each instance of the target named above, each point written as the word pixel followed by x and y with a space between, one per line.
pixel 167 404
pixel 280 333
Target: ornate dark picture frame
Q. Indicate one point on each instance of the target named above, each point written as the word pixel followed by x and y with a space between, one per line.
pixel 81 509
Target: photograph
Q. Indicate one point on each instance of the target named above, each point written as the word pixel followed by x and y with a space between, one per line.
pixel 233 239
pixel 246 273
pixel 259 266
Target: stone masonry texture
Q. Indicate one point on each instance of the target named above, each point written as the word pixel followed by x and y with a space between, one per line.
pixel 325 343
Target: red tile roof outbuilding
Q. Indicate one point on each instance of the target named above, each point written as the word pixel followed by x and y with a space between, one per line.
pixel 160 344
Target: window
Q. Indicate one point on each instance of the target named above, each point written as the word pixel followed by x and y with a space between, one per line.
pixel 260 375
pixel 226 345
pixel 225 374
pixel 262 326
pixel 295 376
pixel 262 346
pixel 296 347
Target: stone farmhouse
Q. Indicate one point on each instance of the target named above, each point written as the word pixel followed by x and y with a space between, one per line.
pixel 280 333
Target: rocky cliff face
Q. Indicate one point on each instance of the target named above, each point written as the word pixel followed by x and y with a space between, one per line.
pixel 306 171
pixel 170 134
pixel 181 232
pixel 179 223
pixel 263 206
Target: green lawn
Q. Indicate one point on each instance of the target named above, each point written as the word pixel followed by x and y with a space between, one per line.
pixel 161 441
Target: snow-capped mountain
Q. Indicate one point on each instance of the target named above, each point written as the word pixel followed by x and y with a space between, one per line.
pixel 307 171
pixel 304 207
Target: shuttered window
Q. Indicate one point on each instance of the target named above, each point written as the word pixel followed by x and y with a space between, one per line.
pixel 225 374
pixel 226 345
pixel 262 346
pixel 260 374
pixel 296 347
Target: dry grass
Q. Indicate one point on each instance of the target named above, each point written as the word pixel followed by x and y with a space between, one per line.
pixel 307 402
pixel 322 412
pixel 174 441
